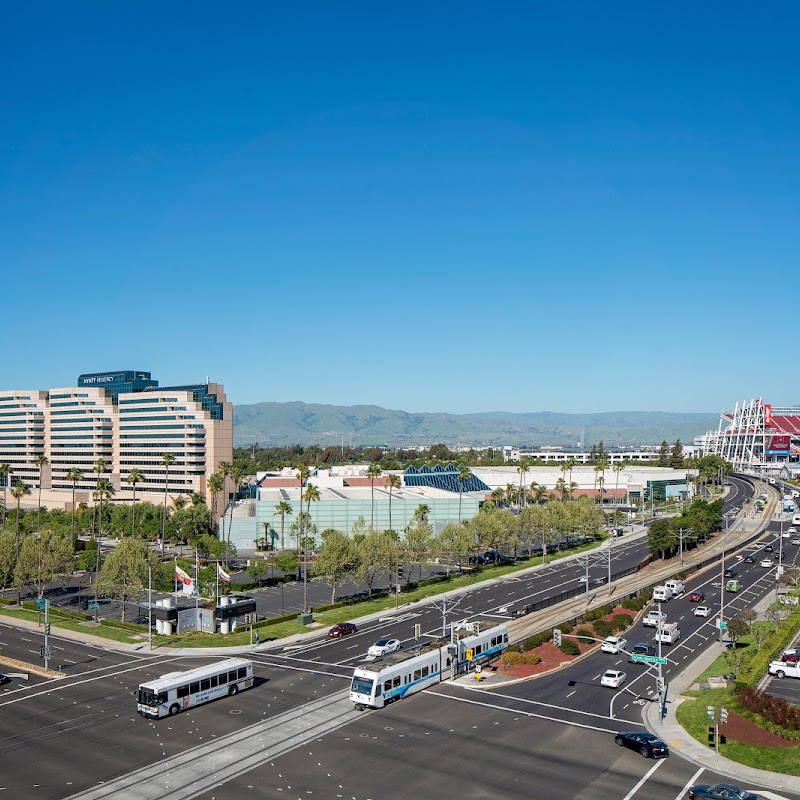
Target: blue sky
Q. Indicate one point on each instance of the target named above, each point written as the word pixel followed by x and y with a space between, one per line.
pixel 430 207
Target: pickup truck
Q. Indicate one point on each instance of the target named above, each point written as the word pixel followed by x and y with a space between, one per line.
pixel 783 669
pixel 653 617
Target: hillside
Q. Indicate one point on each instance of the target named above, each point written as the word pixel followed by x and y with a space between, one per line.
pixel 281 424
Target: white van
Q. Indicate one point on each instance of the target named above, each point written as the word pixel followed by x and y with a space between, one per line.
pixel 796 519
pixel 669 633
pixel 661 594
pixel 676 587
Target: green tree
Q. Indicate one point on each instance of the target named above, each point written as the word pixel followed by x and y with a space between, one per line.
pixel 302 476
pixel 124 573
pixel 41 462
pixel 663 454
pixel 454 543
pixel 676 455
pixel 5 472
pixel 74 475
pixel 43 557
pixel 134 476
pixel 522 469
pixel 392 482
pixel 374 471
pixel 257 569
pixel 416 546
pixel 8 558
pixel 19 491
pixel 374 557
pixel 284 508
pixel 463 476
pixel 168 460
pixel 216 484
pixel 311 495
pixel 659 537
pixel 422 512
pixel 335 560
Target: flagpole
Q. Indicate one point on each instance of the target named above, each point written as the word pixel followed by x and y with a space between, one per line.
pixel 175 571
pixel 196 583
pixel 216 600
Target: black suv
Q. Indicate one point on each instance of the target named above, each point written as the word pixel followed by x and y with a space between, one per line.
pixel 641 649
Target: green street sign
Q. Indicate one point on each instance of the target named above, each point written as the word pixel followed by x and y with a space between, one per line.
pixel 722 624
pixel 41 604
pixel 648 659
pixel 93 606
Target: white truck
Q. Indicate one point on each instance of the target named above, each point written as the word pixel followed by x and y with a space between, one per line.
pixel 653 617
pixel 661 594
pixel 676 587
pixel 783 669
pixel 668 633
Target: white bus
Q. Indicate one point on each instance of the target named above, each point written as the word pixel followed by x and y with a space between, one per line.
pixel 176 691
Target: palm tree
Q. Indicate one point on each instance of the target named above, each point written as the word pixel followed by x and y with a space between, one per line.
pixel 40 461
pixel 510 493
pixel 134 476
pixel 600 476
pixel 564 470
pixel 497 496
pixel 5 471
pixel 216 483
pixel 237 474
pixel 284 508
pixel 302 476
pixel 179 502
pixel 421 512
pixel 393 482
pixel 104 491
pixel 197 499
pixel 524 466
pixel 617 469
pixel 18 492
pixel 311 496
pixel 168 459
pixel 572 464
pixel 373 472
pixel 74 474
pixel 463 476
pixel 99 468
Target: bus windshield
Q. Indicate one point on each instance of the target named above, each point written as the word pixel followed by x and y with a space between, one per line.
pixel 362 685
pixel 147 697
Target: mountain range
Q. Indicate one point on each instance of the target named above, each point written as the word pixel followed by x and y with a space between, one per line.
pixel 284 424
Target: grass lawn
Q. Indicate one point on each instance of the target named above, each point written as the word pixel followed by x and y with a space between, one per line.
pixel 691 714
pixel 66 623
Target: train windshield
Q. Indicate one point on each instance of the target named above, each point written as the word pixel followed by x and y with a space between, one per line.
pixel 362 685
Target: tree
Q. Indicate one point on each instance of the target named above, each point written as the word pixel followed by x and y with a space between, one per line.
pixel 8 558
pixel 416 546
pixel 659 537
pixel 617 469
pixel 168 459
pixel 302 475
pixel 5 472
pixel 42 558
pixel 663 454
pixel 74 474
pixel 216 483
pixel 463 476
pixel 179 502
pixel 454 543
pixel 676 455
pixel 311 495
pixel 392 482
pixel 124 573
pixel 134 476
pixel 374 471
pixel 421 512
pixel 18 492
pixel 257 569
pixel 335 559
pixel 374 557
pixel 286 561
pixel 283 508
pixel 41 461
pixel 522 469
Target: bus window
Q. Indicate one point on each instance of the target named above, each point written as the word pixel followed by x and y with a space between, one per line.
pixel 213 681
pixel 162 697
pixel 223 679
pixel 194 688
pixel 232 676
pixel 205 684
pixel 242 673
pixel 183 691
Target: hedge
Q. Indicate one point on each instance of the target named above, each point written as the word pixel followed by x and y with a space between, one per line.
pixel 621 621
pixel 532 642
pixel 565 627
pixel 510 657
pixel 569 647
pixel 7 601
pixel 778 715
pixel 603 628
pixel 585 634
pixel 599 612
pixel 755 668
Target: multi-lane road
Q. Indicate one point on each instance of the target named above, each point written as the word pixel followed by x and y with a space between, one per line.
pixel 552 737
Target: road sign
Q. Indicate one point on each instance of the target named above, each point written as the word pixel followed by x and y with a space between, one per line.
pixel 41 604
pixel 93 606
pixel 648 659
pixel 468 654
pixel 722 624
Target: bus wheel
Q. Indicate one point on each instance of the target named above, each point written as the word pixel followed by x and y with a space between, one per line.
pixel 233 689
pixel 174 709
pixel 359 706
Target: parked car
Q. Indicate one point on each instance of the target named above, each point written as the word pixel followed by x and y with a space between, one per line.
pixel 730 573
pixel 766 563
pixel 342 629
pixel 697 597
pixel 496 558
pixel 783 668
pixel 383 647
pixel 478 560
pixel 641 649
pixel 613 678
pixel 701 611
pixel 720 791
pixel 613 644
pixel 645 743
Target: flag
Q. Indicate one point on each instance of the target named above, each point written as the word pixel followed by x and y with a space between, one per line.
pixel 183 577
pixel 222 575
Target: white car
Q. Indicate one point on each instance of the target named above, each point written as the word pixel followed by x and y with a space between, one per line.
pixel 792 531
pixel 613 678
pixel 796 540
pixel 787 534
pixel 766 563
pixel 613 644
pixel 701 611
pixel 653 617
pixel 383 647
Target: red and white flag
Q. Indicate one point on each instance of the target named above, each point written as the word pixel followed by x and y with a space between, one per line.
pixel 223 576
pixel 183 577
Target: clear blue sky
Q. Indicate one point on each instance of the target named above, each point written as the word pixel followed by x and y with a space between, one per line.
pixel 431 207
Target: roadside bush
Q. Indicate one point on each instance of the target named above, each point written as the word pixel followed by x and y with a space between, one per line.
pixel 598 613
pixel 511 657
pixel 635 603
pixel 565 627
pixel 621 622
pixel 532 642
pixel 755 668
pixel 602 628
pixel 569 647
pixel 586 635
pixel 780 716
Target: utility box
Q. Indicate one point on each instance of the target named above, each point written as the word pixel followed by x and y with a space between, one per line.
pixel 305 619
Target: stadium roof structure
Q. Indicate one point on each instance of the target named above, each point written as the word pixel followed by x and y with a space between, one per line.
pixel 443 477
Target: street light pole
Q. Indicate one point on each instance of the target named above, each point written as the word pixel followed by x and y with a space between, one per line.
pixel 722 579
pixel 149 601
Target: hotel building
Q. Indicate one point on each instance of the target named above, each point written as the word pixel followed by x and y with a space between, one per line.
pixel 124 418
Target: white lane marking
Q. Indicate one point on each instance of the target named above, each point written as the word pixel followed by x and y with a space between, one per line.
pixel 644 779
pixel 523 713
pixel 690 783
pixel 768 795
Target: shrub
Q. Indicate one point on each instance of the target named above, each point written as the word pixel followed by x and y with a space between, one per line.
pixel 511 657
pixel 776 711
pixel 569 647
pixel 565 627
pixel 532 642
pixel 599 613
pixel 636 603
pixel 603 628
pixel 586 635
pixel 621 622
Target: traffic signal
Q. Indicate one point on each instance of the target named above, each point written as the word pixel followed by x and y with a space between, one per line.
pixel 710 712
pixel 399 570
pixel 711 735
pixel 723 714
pixel 723 739
pixel 47 629
pixel 557 637
pixel 660 685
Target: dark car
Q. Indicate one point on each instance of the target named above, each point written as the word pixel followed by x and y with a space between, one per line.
pixel 645 743
pixel 496 558
pixel 641 649
pixel 478 560
pixel 720 791
pixel 768 548
pixel 730 573
pixel 4 679
pixel 749 559
pixel 342 629
pixel 697 597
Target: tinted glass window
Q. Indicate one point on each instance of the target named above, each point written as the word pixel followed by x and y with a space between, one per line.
pixel 195 687
pixel 205 684
pixel 243 672
pixel 162 697
pixel 387 685
pixel 424 671
pixel 213 681
pixel 397 681
pixel 232 676
pixel 223 678
pixel 417 674
pixel 183 691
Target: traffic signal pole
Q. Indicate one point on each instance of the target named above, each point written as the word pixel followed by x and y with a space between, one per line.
pixel 46 648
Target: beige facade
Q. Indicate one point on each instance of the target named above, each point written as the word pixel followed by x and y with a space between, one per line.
pixel 74 427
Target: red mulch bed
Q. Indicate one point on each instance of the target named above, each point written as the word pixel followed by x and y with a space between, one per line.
pixel 741 729
pixel 551 656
